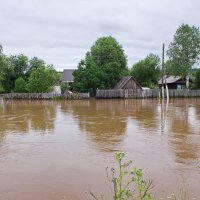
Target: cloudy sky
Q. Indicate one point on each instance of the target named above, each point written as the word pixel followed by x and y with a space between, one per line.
pixel 62 31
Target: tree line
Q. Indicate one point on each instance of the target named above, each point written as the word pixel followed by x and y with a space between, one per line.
pixel 20 74
pixel 104 65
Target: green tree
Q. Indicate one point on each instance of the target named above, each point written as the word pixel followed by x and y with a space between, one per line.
pixel 20 85
pixel 197 79
pixel 42 79
pixel 10 69
pixel 64 87
pixel 147 71
pixel 20 65
pixel 7 74
pixel 1 49
pixel 184 51
pixel 103 66
pixel 34 63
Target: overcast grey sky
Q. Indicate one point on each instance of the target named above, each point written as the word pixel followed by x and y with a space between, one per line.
pixel 61 31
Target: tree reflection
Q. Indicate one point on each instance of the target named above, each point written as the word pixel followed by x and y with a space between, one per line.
pixel 22 116
pixel 104 121
pixel 182 128
pixel 144 112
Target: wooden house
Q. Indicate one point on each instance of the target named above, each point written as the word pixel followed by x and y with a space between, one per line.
pixel 128 82
pixel 174 82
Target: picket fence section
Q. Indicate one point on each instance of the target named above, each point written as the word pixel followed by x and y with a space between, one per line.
pixel 44 96
pixel 151 93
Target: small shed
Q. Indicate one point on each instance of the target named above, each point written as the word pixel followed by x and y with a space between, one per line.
pixel 128 82
pixel 174 82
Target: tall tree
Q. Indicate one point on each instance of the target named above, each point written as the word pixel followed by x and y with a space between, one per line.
pixel 20 85
pixel 147 71
pixel 184 51
pixel 7 74
pixel 20 65
pixel 34 63
pixel 197 79
pixel 42 79
pixel 1 49
pixel 103 66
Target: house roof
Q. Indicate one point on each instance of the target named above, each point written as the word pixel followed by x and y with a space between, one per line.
pixel 124 81
pixel 67 75
pixel 169 79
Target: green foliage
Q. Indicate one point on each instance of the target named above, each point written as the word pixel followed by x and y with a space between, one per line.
pixel 197 79
pixel 20 65
pixel 42 79
pixel 129 184
pixel 169 67
pixel 20 85
pixel 184 51
pixel 1 49
pixel 34 63
pixel 7 74
pixel 16 71
pixel 64 87
pixel 147 71
pixel 103 66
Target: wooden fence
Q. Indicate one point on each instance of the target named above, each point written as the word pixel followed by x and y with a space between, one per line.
pixel 152 93
pixel 44 96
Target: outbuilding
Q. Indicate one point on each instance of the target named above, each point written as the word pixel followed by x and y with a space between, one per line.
pixel 174 82
pixel 128 82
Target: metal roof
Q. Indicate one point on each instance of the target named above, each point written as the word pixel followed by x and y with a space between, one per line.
pixel 67 75
pixel 169 79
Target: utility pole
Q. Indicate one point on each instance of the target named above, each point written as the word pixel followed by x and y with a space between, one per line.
pixel 163 72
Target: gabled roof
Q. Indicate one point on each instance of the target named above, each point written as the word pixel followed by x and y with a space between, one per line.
pixel 169 79
pixel 122 83
pixel 67 75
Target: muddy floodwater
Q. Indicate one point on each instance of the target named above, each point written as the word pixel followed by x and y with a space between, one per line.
pixel 50 150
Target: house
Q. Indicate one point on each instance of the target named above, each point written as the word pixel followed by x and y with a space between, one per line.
pixel 128 82
pixel 174 82
pixel 67 77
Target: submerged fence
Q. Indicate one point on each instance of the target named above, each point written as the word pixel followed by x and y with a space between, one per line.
pixel 151 93
pixel 105 94
pixel 44 96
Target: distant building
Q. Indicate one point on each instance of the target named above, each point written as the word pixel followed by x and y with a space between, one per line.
pixel 128 82
pixel 174 82
pixel 67 77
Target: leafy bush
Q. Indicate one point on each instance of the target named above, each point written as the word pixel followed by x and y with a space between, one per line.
pixel 20 85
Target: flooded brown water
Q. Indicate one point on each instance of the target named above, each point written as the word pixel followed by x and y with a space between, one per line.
pixel 49 149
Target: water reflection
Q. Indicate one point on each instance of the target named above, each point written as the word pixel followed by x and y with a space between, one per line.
pixel 22 116
pixel 184 130
pixel 144 113
pixel 104 122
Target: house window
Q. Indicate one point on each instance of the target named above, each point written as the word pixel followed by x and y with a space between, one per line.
pixel 180 87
